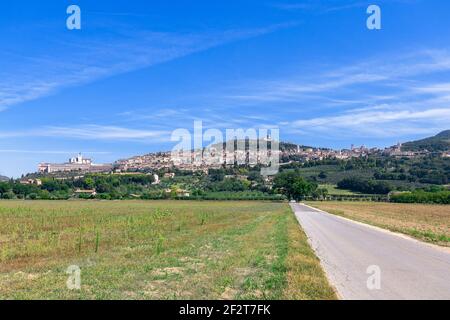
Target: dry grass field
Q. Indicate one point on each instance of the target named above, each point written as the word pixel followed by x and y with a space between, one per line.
pixel 156 250
pixel 430 223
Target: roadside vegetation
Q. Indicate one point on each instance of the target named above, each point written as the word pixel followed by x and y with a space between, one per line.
pixel 294 186
pixel 429 223
pixel 433 195
pixel 156 250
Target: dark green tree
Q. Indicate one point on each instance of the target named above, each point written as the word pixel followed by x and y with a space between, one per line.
pixel 293 185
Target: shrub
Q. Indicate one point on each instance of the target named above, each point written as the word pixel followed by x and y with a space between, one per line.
pixel 365 186
pixel 421 196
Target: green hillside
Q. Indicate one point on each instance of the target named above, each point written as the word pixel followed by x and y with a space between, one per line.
pixel 438 143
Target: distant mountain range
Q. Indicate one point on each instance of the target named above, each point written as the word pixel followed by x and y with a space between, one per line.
pixel 438 143
pixel 3 178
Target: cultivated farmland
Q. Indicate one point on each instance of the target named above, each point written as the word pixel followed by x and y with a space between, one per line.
pixel 156 250
pixel 429 223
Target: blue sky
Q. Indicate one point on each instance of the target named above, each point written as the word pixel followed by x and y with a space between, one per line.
pixel 137 70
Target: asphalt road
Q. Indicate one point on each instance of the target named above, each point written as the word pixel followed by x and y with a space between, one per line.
pixel 364 262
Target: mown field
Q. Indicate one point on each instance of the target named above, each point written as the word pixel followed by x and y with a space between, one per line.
pixel 333 190
pixel 429 223
pixel 156 250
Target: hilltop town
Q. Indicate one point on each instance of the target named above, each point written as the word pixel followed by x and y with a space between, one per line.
pixel 287 153
pixel 238 173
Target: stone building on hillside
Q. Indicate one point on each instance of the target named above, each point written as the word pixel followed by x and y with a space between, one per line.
pixel 75 164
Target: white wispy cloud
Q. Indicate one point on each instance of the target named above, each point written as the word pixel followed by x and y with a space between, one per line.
pixel 382 123
pixel 384 96
pixel 386 71
pixel 96 132
pixel 31 77
pixel 379 97
pixel 292 6
pixel 93 132
pixel 50 151
pixel 437 88
pixel 393 119
pixel 325 6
